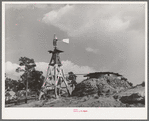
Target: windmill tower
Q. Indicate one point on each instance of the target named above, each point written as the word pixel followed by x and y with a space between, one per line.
pixel 55 74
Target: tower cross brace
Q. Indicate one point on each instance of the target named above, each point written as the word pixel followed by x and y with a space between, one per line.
pixel 55 74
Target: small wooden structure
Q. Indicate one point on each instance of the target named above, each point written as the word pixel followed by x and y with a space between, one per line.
pixel 101 74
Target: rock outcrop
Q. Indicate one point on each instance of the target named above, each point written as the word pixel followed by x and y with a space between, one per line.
pixel 102 85
pixel 133 96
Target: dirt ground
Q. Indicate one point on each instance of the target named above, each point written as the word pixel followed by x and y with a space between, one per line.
pixel 86 101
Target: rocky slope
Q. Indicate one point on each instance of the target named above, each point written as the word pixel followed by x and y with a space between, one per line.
pixel 105 85
pixel 132 97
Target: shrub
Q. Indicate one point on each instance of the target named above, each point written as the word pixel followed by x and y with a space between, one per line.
pixel 143 84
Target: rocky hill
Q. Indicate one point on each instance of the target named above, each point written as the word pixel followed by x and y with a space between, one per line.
pixel 105 83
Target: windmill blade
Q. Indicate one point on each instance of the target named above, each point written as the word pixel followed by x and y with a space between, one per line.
pixel 55 40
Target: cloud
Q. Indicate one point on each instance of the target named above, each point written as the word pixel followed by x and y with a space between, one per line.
pixel 54 17
pixel 67 67
pixel 42 66
pixel 115 24
pixel 10 70
pixel 91 50
pixel 86 19
pixel 70 66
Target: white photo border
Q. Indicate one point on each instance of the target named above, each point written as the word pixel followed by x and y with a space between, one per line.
pixel 67 113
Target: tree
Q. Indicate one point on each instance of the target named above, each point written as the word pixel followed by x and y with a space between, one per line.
pixel 7 83
pixel 29 67
pixel 11 84
pixel 72 77
pixel 32 79
pixel 37 80
pixel 20 85
pixel 143 84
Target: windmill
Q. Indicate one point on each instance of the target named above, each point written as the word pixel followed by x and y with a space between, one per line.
pixel 55 74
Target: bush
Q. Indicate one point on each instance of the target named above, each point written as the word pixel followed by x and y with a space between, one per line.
pixel 143 84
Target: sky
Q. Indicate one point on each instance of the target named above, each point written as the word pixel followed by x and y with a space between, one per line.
pixel 103 37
